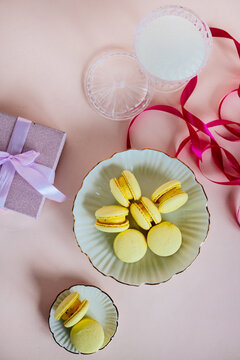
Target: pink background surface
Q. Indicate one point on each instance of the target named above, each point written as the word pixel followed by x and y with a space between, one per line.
pixel 45 47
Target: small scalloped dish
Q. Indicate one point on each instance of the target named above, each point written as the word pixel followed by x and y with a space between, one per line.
pixel 151 168
pixel 101 308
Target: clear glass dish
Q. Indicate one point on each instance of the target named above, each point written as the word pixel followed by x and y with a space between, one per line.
pixel 172 45
pixel 116 86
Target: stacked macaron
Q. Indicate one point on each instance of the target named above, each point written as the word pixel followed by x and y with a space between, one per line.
pixel 130 245
pixel 87 334
pixel 145 213
pixel 125 188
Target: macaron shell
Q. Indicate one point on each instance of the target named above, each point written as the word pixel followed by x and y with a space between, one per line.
pixel 132 183
pixel 125 188
pixel 71 310
pixel 78 315
pixel 65 304
pixel 171 203
pixel 152 209
pixel 117 193
pixel 164 239
pixel 112 228
pixel 165 188
pixel 130 246
pixel 141 219
pixel 111 211
pixel 87 336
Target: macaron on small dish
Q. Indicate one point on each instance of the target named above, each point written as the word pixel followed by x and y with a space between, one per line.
pixel 71 309
pixel 83 326
pixel 87 336
pixel 141 217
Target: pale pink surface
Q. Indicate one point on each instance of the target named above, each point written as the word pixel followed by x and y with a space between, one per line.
pixel 45 46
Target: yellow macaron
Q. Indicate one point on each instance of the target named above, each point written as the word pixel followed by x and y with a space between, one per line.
pixel 87 336
pixel 164 239
pixel 145 213
pixel 125 188
pixel 130 246
pixel 71 310
pixel 169 196
pixel 112 218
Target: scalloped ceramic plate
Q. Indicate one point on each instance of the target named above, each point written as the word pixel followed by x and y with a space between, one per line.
pixel 151 168
pixel 102 309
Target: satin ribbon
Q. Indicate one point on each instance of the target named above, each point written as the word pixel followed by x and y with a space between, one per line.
pixel 40 177
pixel 196 127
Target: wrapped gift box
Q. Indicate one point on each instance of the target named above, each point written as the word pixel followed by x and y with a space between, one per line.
pixel 22 197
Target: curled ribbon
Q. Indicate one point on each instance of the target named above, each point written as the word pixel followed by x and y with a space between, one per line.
pixel 196 126
pixel 40 177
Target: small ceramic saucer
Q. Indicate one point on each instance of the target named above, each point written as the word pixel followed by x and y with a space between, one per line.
pixel 102 309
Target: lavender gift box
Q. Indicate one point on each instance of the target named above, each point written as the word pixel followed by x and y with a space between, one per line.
pixel 22 197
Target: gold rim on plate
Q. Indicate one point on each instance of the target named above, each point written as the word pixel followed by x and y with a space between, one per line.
pixel 117 312
pixel 145 283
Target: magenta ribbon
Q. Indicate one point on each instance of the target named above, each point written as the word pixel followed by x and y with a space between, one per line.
pixel 40 177
pixel 196 127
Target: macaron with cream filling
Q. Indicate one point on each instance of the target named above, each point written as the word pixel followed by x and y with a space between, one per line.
pixel 112 218
pixel 71 310
pixel 125 188
pixel 145 213
pixel 169 196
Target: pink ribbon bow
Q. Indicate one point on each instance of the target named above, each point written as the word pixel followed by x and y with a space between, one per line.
pixel 40 177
